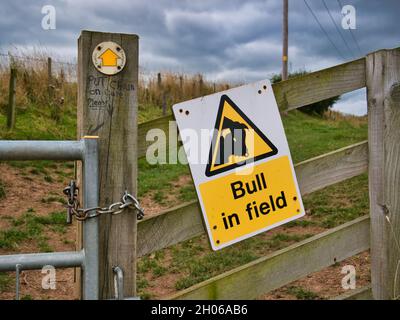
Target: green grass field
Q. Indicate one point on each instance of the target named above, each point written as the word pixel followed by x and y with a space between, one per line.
pixel 192 261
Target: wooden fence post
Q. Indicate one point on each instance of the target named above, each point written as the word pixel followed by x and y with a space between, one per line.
pixel 12 99
pixel 181 93
pixel 107 107
pixel 164 103
pixel 383 93
pixel 201 85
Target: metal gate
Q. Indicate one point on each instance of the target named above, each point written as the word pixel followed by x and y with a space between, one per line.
pixel 86 151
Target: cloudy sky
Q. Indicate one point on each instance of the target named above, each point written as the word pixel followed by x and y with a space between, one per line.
pixel 232 40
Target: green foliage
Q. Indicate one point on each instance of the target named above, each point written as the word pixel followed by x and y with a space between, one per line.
pixel 5 281
pixel 2 190
pixel 302 294
pixel 30 226
pixel 339 203
pixel 159 176
pixel 318 108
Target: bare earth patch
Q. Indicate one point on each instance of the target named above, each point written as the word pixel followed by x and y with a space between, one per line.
pixel 26 193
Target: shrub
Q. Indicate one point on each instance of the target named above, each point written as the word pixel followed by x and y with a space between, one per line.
pixel 318 108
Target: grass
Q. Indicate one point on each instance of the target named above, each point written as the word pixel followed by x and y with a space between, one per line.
pixel 339 203
pixel 158 177
pixel 301 131
pixel 2 190
pixel 5 281
pixel 191 261
pixel 51 199
pixel 31 227
pixel 302 294
pixel 311 136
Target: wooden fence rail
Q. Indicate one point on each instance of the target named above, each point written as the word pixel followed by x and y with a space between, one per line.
pixel 379 72
pixel 284 266
pixel 185 221
pixel 363 293
pixel 291 94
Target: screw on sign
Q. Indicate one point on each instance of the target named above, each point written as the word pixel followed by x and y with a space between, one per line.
pixel 109 57
pixel 248 183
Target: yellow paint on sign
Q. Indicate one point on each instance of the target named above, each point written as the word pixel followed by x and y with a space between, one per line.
pixel 109 58
pixel 237 205
pixel 237 140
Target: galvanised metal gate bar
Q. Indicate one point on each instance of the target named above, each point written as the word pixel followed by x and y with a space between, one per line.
pixel 88 258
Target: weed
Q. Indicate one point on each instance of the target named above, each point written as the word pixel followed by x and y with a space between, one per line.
pixel 145 295
pixel 30 227
pixel 159 197
pixel 54 199
pixel 302 294
pixel 187 193
pixel 34 171
pixel 48 178
pixel 142 283
pixel 2 190
pixel 5 281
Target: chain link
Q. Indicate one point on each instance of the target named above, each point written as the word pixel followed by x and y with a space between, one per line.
pixel 81 214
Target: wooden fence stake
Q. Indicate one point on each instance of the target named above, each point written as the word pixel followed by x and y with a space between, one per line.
pixel 201 84
pixel 49 74
pixel 164 104
pixel 12 99
pixel 383 90
pixel 107 107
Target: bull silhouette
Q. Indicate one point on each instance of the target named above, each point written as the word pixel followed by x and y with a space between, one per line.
pixel 233 143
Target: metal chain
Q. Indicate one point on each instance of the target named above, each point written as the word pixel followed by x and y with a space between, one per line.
pixel 81 214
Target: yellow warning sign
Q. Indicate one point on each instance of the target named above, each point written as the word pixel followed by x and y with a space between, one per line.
pixel 237 140
pixel 237 206
pixel 245 181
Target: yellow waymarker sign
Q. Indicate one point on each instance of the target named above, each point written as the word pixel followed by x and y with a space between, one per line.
pixel 109 58
pixel 248 183
pixel 237 140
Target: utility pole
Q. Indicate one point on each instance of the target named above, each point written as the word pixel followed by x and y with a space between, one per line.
pixel 285 36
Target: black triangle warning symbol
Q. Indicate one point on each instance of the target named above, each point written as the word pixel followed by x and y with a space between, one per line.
pixel 237 140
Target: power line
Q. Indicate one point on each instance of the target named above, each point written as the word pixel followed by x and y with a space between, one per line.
pixel 338 29
pixel 323 30
pixel 351 31
pixel 285 39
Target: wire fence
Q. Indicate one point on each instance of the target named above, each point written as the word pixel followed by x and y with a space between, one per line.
pixel 67 70
pixel 42 79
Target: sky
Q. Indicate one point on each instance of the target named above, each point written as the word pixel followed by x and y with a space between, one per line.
pixel 226 40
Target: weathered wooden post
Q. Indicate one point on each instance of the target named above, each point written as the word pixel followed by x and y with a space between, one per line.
pixel 49 75
pixel 164 103
pixel 107 107
pixel 12 98
pixel 159 89
pixel 383 92
pixel 201 82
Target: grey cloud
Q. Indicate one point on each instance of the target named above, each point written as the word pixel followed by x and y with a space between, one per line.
pixel 224 39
